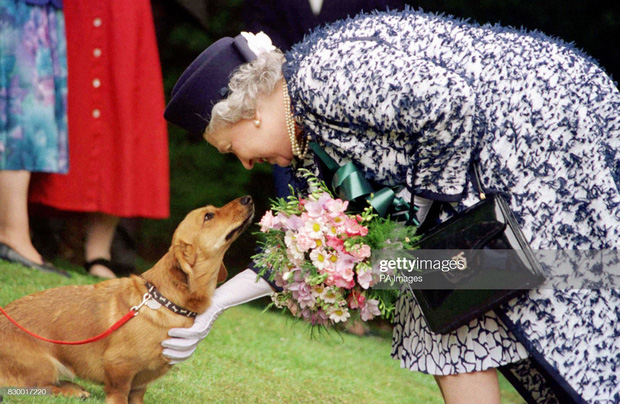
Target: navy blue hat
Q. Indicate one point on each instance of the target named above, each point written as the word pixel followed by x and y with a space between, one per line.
pixel 205 82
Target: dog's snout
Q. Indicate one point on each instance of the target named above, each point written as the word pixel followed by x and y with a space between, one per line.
pixel 246 200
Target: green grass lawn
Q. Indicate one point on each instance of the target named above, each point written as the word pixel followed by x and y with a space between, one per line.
pixel 252 356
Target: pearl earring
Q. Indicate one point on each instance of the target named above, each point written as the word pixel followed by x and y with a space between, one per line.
pixel 257 123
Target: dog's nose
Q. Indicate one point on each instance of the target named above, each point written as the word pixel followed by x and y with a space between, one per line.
pixel 246 200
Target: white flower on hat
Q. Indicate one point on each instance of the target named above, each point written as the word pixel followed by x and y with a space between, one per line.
pixel 258 43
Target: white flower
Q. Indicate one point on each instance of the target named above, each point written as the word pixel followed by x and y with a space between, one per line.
pixel 318 290
pixel 320 258
pixel 329 295
pixel 258 43
pixel 339 314
pixel 315 229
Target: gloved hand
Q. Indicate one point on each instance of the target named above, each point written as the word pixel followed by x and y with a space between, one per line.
pixel 240 289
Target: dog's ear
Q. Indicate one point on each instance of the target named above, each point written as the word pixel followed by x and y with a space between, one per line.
pixel 223 274
pixel 185 255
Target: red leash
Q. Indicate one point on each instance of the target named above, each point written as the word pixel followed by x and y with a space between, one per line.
pixel 132 313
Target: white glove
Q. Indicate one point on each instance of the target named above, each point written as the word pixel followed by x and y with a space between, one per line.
pixel 240 289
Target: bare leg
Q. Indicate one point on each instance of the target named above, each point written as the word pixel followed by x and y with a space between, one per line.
pixel 469 388
pixel 14 226
pixel 99 235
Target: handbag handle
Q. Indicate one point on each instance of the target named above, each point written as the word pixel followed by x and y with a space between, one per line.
pixel 412 210
pixel 476 170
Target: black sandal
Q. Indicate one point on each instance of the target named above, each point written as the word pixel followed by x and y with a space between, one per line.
pixel 120 270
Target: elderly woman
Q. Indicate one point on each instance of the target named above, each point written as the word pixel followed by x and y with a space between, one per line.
pixel 409 92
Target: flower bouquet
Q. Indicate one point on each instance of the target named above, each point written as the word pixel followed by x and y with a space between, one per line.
pixel 320 255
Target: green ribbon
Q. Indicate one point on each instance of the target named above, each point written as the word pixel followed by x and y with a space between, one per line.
pixel 350 185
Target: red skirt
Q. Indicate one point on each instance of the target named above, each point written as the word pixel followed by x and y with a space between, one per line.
pixel 118 140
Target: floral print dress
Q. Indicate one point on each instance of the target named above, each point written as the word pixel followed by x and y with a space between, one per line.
pixel 398 92
pixel 33 87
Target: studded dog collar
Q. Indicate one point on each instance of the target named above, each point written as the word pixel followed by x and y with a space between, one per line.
pixel 158 297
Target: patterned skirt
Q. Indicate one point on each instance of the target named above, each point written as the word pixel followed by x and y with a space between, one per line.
pixel 482 344
pixel 33 88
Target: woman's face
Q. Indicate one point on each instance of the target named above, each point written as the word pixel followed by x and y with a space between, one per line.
pixel 266 143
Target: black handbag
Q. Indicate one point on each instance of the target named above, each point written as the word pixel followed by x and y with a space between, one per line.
pixel 482 232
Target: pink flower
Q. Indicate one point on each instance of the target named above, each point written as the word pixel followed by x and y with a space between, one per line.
pixel 314 209
pixel 319 318
pixel 306 301
pixel 302 293
pixel 292 222
pixel 335 243
pixel 344 262
pixel 361 252
pixel 352 227
pixel 330 281
pixel 267 221
pixel 370 309
pixel 344 279
pixel 352 300
pixel 304 243
pixel 347 274
pixel 364 279
pixel 335 207
pixel 279 281
pixel 317 208
pixel 325 199
pixel 363 231
pixel 338 220
pixel 278 222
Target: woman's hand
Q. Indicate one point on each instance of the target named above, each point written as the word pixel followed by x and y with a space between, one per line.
pixel 240 289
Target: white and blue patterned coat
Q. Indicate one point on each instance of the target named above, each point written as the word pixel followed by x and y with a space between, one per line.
pixel 394 92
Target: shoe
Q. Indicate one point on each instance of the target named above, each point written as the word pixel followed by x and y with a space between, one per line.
pixel 7 253
pixel 120 270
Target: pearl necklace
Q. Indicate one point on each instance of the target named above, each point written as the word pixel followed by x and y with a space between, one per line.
pixel 290 125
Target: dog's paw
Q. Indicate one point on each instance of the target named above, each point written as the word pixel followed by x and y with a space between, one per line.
pixel 70 389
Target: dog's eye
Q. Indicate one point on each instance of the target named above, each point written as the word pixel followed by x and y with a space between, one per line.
pixel 209 216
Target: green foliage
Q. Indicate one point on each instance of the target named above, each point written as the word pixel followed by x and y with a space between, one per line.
pixel 387 233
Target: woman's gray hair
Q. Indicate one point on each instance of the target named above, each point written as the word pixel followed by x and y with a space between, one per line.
pixel 247 83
